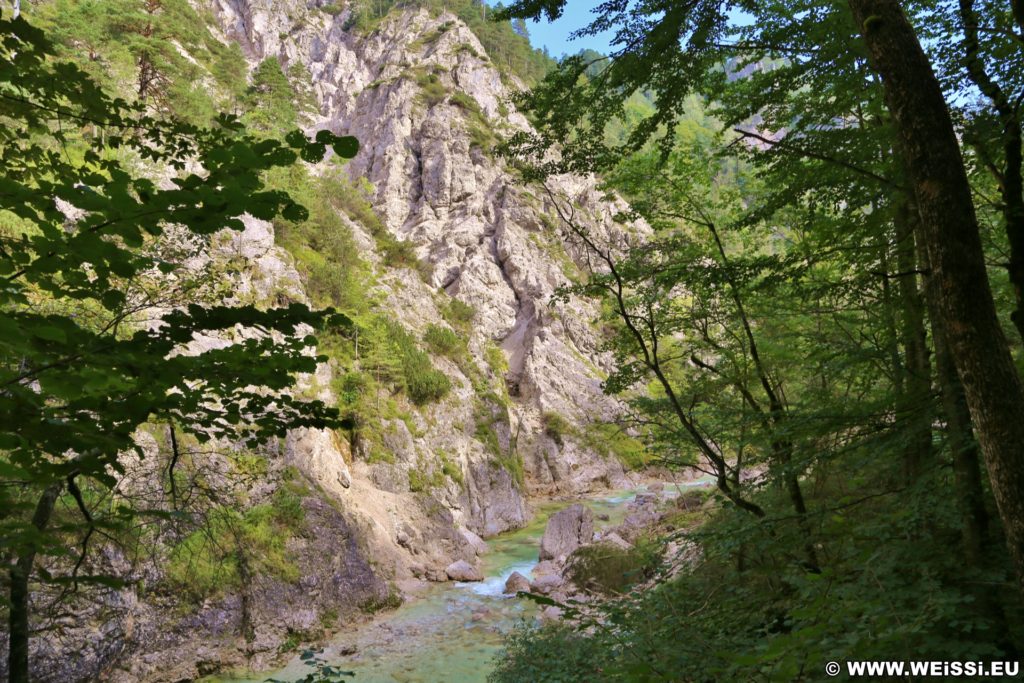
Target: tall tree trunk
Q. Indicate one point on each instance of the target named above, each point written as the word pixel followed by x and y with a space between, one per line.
pixel 20 573
pixel 950 231
pixel 915 402
pixel 970 496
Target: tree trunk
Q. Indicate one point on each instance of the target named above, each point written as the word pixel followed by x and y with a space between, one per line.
pixel 20 573
pixel 950 231
pixel 963 447
pixel 778 417
pixel 915 402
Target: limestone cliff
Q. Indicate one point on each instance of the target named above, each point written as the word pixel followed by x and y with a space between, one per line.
pixel 426 103
pixel 421 95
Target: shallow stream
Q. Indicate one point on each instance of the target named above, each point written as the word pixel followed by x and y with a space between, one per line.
pixel 450 632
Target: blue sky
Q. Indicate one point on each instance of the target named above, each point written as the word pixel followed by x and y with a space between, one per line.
pixel 555 35
pixel 578 14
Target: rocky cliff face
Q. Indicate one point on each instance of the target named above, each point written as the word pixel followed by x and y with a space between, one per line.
pixel 423 98
pixel 426 103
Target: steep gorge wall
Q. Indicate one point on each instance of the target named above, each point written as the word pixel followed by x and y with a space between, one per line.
pixel 419 93
pixel 425 102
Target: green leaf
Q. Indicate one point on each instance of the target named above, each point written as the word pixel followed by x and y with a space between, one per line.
pixel 346 147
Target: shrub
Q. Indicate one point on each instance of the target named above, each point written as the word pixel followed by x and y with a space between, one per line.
pixel 215 558
pixel 323 246
pixel 557 427
pixel 608 440
pixel 423 383
pixel 557 651
pixel 496 359
pixel 458 314
pixel 443 341
pixel 609 569
pixel 431 37
pixel 513 464
pixel 451 469
pixel 484 430
pixel 461 99
pixel 432 90
pixel 480 133
pixel 379 603
pixel 418 481
pixel 397 253
pixel 380 454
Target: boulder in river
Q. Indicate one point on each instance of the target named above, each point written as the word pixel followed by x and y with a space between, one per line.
pixel 618 541
pixel 567 530
pixel 516 583
pixel 461 570
pixel 545 567
pixel 546 583
pixel 478 544
pixel 643 499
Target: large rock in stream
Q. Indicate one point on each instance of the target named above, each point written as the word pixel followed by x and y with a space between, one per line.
pixel 516 583
pixel 463 571
pixel 567 530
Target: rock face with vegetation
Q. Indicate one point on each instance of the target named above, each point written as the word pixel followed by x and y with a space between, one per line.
pixel 429 105
pixel 466 259
pixel 465 386
pixel 257 379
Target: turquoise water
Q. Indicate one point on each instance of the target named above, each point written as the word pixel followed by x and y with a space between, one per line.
pixel 451 632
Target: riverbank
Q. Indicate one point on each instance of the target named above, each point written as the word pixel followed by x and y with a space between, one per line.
pixel 452 631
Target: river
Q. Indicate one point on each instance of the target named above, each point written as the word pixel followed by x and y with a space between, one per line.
pixel 450 631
